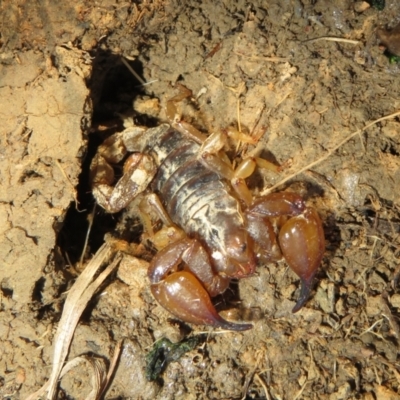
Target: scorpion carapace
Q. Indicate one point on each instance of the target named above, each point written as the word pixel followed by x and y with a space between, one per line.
pixel 223 233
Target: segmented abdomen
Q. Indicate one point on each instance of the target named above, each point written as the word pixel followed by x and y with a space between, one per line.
pixel 195 197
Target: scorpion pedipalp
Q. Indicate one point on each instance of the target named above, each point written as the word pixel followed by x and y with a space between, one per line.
pixel 301 238
pixel 183 295
pixel 186 293
pixel 303 245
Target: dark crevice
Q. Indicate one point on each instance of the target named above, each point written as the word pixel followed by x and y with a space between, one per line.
pixel 38 289
pixel 113 89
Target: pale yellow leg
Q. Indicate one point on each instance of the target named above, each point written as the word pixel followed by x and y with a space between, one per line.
pixel 169 233
pixel 262 163
pixel 243 171
pixel 175 119
pixel 239 136
pixel 210 153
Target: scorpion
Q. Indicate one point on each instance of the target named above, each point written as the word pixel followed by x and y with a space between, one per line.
pixel 214 230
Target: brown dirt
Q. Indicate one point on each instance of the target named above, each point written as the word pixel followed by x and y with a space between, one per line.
pixel 61 69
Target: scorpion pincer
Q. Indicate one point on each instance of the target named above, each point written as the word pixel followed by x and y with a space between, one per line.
pixel 227 232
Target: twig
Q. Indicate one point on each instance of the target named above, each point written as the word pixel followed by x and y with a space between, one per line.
pixel 90 220
pixel 113 366
pixel 133 72
pixel 332 39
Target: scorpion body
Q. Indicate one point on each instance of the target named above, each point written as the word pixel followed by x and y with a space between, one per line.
pixel 196 198
pixel 227 232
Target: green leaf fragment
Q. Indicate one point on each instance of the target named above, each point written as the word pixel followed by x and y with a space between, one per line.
pixel 165 352
pixel 378 4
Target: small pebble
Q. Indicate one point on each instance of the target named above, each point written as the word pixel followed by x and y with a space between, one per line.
pixel 361 6
pixel 395 300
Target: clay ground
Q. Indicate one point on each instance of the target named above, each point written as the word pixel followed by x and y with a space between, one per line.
pixel 62 77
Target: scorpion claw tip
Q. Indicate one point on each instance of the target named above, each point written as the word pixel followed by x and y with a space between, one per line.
pixel 305 291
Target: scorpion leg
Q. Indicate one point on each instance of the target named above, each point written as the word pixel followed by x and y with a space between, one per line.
pixel 210 152
pixel 169 233
pixel 175 119
pixel 301 238
pixel 216 161
pixel 212 158
pixel 155 203
pixel 186 292
pixel 266 243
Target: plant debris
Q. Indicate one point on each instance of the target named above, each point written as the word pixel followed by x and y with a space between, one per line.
pixel 164 352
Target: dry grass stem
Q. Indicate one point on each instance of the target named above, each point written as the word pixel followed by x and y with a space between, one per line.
pixel 98 373
pixel 370 329
pixel 111 370
pixel 300 392
pixel 264 386
pixel 332 39
pixel 78 297
pixel 133 72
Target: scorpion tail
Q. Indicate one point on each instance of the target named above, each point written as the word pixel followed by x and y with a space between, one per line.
pixel 184 296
